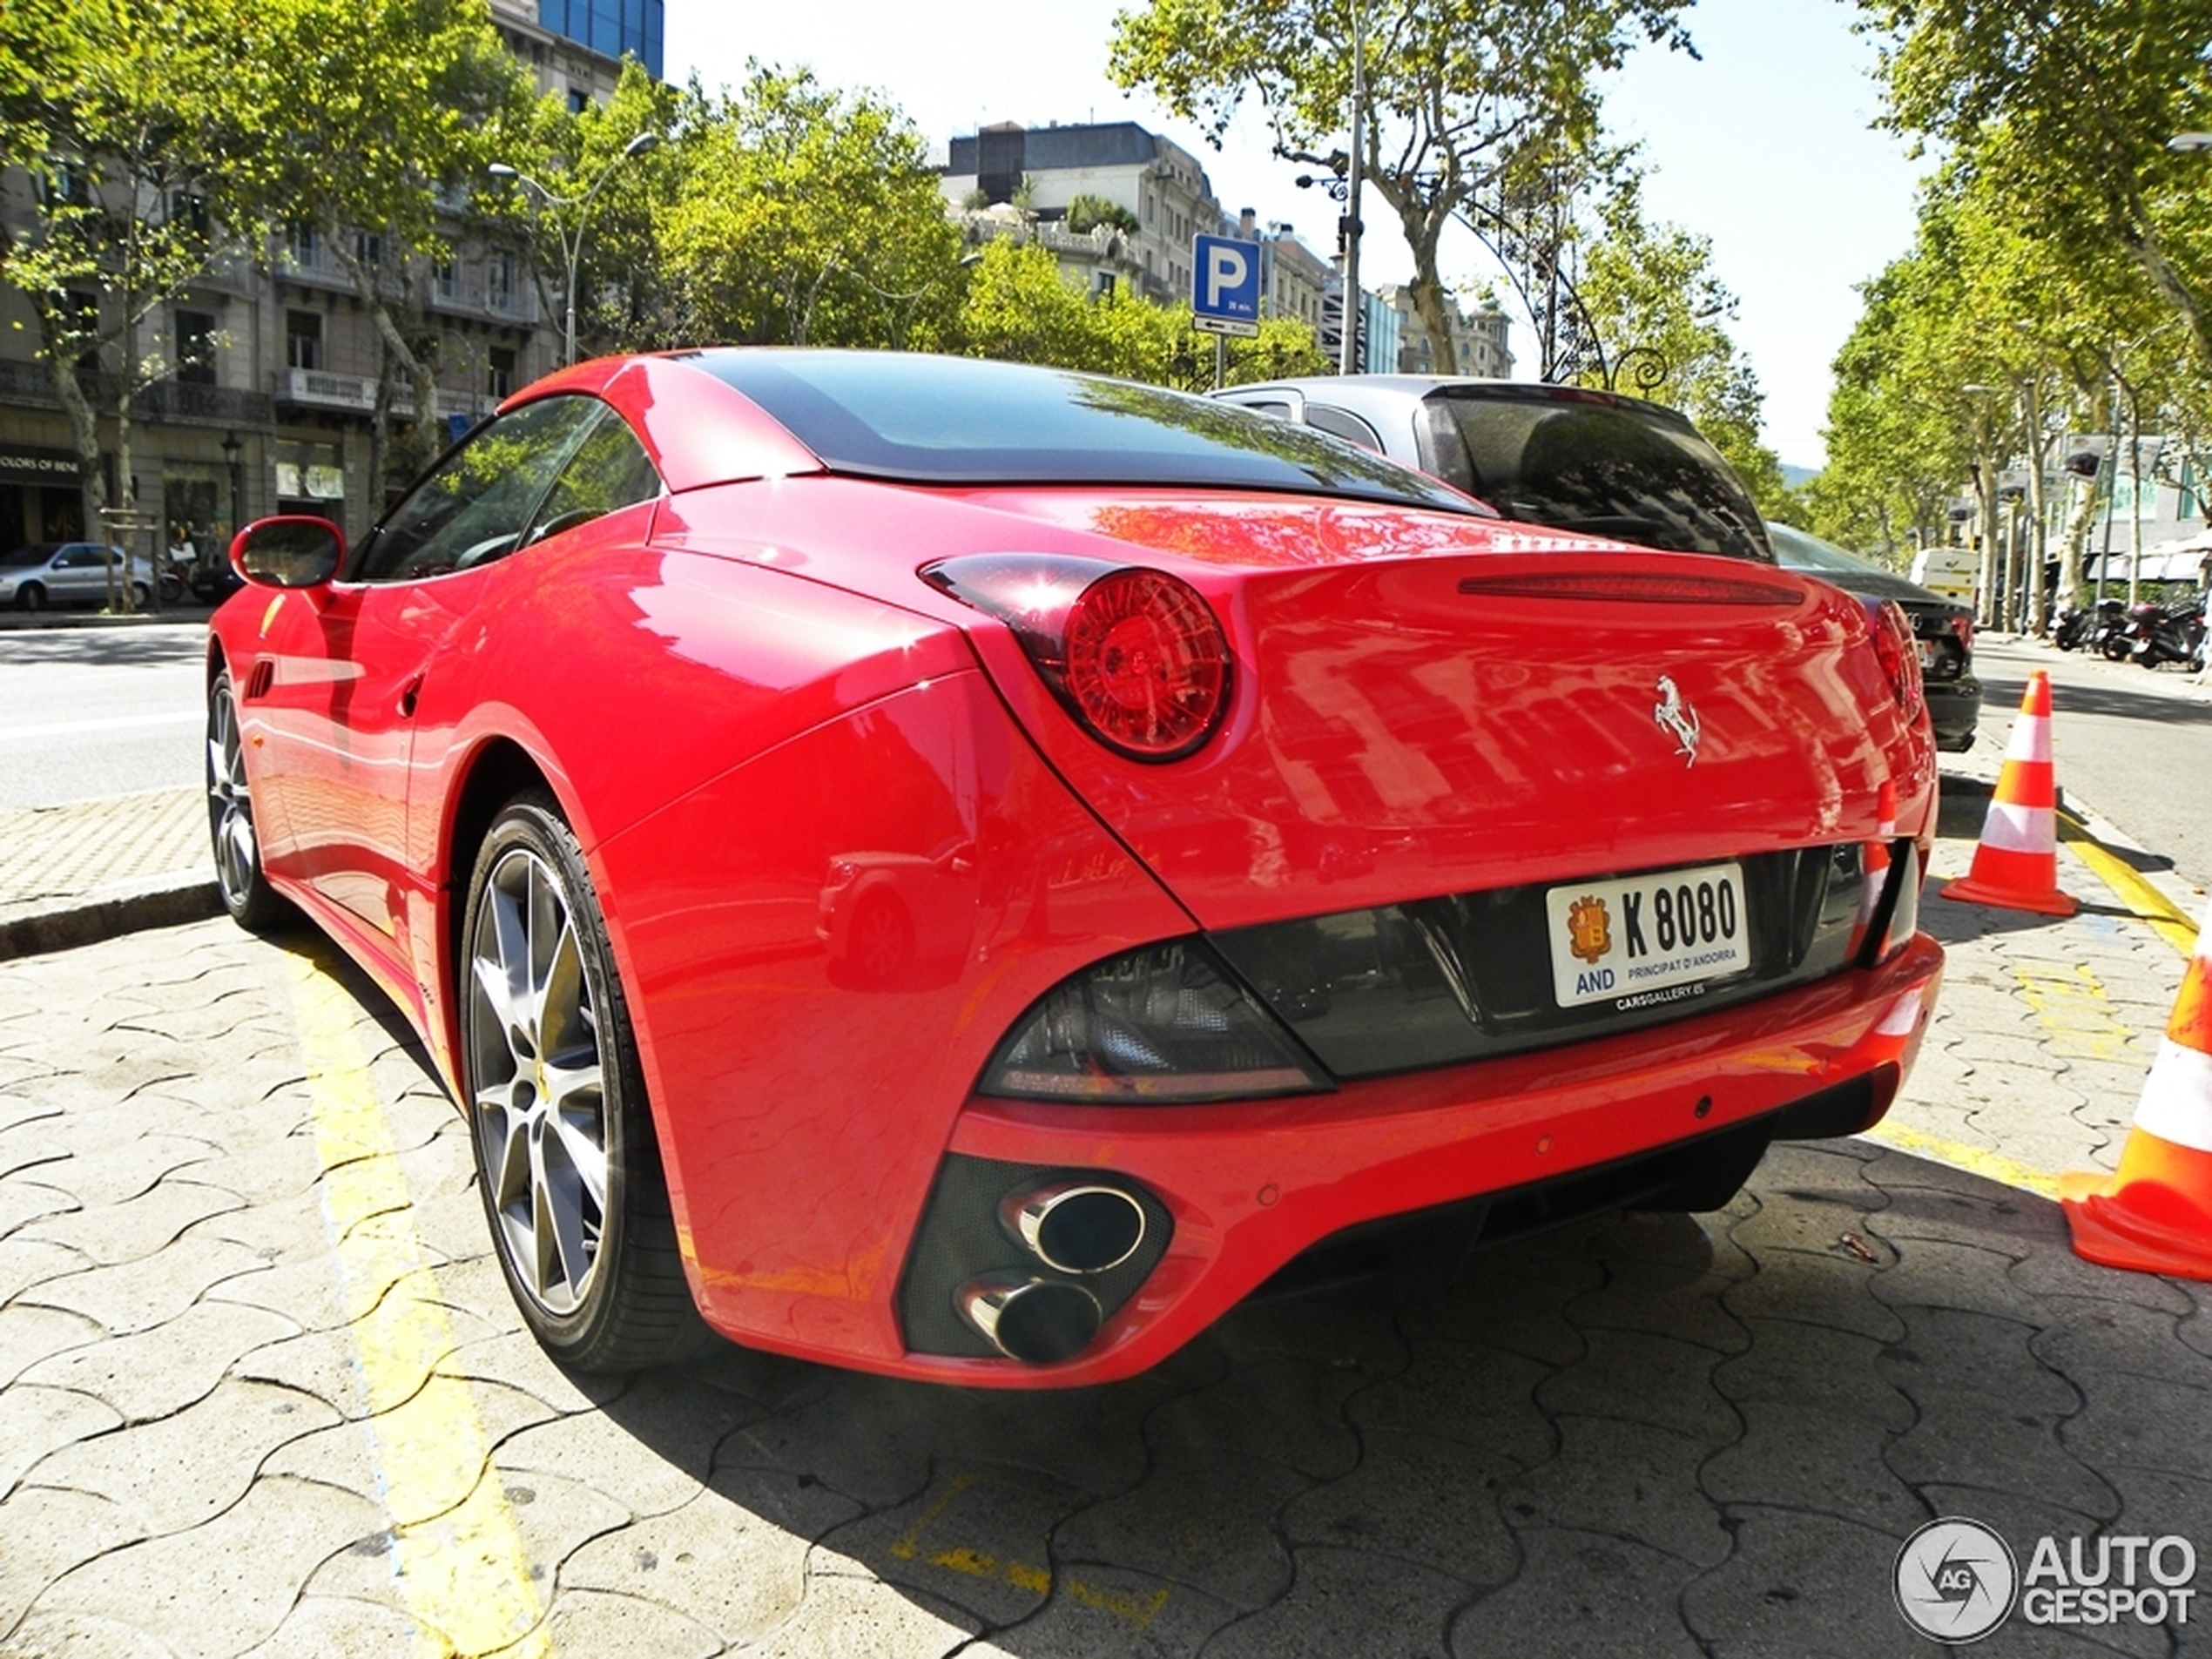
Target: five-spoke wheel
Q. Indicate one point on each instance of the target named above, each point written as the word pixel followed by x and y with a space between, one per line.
pixel 246 891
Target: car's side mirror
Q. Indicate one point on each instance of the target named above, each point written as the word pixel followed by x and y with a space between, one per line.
pixel 293 550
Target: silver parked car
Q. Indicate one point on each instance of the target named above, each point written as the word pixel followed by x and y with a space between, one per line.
pixel 63 573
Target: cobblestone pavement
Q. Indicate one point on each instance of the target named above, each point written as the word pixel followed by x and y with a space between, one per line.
pixel 262 1391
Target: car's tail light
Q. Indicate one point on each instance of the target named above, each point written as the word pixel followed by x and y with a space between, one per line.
pixel 1962 628
pixel 1162 1024
pixel 1136 655
pixel 1899 653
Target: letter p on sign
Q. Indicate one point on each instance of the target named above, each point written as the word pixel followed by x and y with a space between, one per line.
pixel 1227 270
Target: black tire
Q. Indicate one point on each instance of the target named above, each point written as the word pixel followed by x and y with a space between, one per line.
pixel 555 1104
pixel 2118 648
pixel 254 905
pixel 31 597
pixel 140 594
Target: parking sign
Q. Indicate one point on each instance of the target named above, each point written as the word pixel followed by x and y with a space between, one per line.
pixel 1224 285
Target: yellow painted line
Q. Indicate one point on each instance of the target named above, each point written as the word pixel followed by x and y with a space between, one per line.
pixel 1991 1166
pixel 2145 901
pixel 458 1556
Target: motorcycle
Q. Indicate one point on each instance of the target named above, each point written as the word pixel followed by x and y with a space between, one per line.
pixel 2174 632
pixel 2085 627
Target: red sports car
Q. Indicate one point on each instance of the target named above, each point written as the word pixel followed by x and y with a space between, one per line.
pixel 968 871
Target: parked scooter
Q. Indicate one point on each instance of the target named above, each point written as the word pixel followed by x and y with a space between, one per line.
pixel 2169 633
pixel 2085 627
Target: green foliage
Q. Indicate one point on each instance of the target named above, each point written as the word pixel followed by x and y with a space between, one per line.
pixel 1086 213
pixel 1467 104
pixel 1021 309
pixel 1658 310
pixel 803 215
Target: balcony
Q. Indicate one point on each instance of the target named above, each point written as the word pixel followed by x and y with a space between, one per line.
pixel 317 388
pixel 206 405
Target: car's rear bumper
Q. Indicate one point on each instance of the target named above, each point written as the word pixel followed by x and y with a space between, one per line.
pixel 1250 1187
pixel 1954 708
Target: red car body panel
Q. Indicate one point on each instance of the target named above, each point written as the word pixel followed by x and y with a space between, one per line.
pixel 733 688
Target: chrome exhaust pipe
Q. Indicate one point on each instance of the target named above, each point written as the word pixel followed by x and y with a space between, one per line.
pixel 1074 1228
pixel 1038 1321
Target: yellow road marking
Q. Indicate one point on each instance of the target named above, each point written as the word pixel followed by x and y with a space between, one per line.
pixel 1990 1166
pixel 2071 1004
pixel 2145 901
pixel 456 1554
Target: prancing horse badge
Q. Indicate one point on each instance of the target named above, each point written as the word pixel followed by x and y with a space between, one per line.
pixel 1675 716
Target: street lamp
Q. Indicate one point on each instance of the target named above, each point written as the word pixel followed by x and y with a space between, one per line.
pixel 571 237
pixel 232 450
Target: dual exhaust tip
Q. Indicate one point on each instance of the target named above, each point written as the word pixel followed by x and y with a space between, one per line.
pixel 1073 1228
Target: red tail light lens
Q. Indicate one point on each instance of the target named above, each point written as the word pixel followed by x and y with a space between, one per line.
pixel 1962 627
pixel 1136 655
pixel 1900 654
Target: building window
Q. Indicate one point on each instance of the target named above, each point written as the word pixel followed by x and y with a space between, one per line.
pixel 445 277
pixel 499 282
pixel 195 347
pixel 499 372
pixel 579 100
pixel 369 250
pixel 301 246
pixel 189 210
pixel 303 339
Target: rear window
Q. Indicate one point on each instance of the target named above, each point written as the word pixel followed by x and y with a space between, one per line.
pixel 920 419
pixel 1593 464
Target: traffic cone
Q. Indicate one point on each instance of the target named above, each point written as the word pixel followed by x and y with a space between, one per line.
pixel 2016 861
pixel 2155 1216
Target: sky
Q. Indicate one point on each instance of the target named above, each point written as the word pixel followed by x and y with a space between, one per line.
pixel 1763 144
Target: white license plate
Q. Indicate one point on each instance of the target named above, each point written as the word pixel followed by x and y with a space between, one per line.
pixel 1649 939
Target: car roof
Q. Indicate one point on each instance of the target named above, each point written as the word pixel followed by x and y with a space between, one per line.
pixel 1364 393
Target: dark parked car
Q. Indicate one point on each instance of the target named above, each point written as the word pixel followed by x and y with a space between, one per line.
pixel 1944 628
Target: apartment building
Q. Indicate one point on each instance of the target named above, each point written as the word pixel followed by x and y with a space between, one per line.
pixel 271 364
pixel 1478 345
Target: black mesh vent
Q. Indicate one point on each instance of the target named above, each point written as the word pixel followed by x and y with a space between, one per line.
pixel 961 1237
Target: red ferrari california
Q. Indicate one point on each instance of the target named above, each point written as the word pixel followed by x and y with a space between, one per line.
pixel 969 871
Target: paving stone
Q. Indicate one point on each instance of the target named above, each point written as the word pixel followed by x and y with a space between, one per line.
pixel 1828 1289
pixel 1344 1330
pixel 976 1538
pixel 1580 1595
pixel 1639 1378
pixel 1993 1218
pixel 340 1454
pixel 1112 1610
pixel 1632 1480
pixel 2155 1502
pixel 1484 1397
pixel 1281 1410
pixel 1933 1274
pixel 513 1358
pixel 1944 1349
pixel 2143 1422
pixel 848 1615
pixel 225 1585
pixel 326 1364
pixel 2060 1272
pixel 150 1291
pixel 29 1334
pixel 588 1621
pixel 284 1166
pixel 35 1421
pixel 116 1173
pixel 728 1570
pixel 81 1635
pixel 24 1199
pixel 49 1532
pixel 182 1471
pixel 310 1293
pixel 1341 1599
pixel 1794 1363
pixel 339 1628
pixel 112 1234
pixel 1804 1584
pixel 679 1428
pixel 1418 1499
pixel 1663 1299
pixel 1968 1438
pixel 294 1228
pixel 1204 1518
pixel 152 1374
pixel 1802 1456
pixel 1514 1298
pixel 553 1518
pixel 26 1262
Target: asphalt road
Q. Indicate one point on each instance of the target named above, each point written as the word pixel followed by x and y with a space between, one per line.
pixel 2129 742
pixel 91 711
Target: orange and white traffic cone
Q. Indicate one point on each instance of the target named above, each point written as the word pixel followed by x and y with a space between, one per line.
pixel 2155 1216
pixel 2016 861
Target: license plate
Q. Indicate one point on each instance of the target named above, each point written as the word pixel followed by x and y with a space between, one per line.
pixel 1648 939
pixel 1927 655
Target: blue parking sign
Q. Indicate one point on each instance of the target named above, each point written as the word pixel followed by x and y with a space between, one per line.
pixel 1224 285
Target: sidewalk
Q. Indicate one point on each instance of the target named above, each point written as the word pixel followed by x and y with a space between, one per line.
pixel 94 869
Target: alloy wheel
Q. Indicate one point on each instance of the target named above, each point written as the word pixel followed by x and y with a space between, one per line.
pixel 230 804
pixel 538 1096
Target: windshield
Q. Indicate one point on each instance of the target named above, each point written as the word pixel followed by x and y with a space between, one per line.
pixel 1802 550
pixel 36 553
pixel 1580 460
pixel 921 419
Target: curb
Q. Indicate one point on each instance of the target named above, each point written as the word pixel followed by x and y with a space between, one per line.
pixel 109 913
